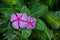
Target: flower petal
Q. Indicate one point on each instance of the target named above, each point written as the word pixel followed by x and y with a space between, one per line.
pixel 33 21
pixel 24 17
pixel 22 24
pixel 30 27
pixel 19 14
pixel 29 18
pixel 13 17
pixel 15 25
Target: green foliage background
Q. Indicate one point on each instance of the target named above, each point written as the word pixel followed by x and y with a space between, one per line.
pixel 46 12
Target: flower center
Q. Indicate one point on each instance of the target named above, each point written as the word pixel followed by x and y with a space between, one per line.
pixel 30 23
pixel 18 19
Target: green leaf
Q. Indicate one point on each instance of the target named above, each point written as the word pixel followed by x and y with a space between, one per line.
pixel 2 26
pixel 7 13
pixel 10 28
pixel 10 35
pixel 49 33
pixel 33 2
pixel 57 13
pixel 3 5
pixel 39 35
pixel 53 19
pixel 57 35
pixel 26 33
pixel 2 22
pixel 50 3
pixel 40 25
pixel 6 27
pixel 22 2
pixel 24 9
pixel 11 2
pixel 39 10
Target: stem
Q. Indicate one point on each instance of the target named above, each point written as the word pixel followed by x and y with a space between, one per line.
pixel 20 34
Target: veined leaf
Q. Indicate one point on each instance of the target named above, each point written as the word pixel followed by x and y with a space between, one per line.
pixel 40 25
pixel 53 20
pixel 39 10
pixel 24 9
pixel 33 2
pixel 25 33
pixel 49 33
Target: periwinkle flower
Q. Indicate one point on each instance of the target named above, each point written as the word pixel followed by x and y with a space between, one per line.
pixel 31 22
pixel 21 20
pixel 18 20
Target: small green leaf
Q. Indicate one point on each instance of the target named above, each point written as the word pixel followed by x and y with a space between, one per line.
pixel 40 25
pixel 39 10
pixel 25 10
pixel 49 33
pixel 26 33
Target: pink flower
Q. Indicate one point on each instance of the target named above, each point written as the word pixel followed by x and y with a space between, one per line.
pixel 19 20
pixel 31 23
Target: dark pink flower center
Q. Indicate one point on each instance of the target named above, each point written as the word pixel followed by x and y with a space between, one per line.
pixel 30 23
pixel 18 19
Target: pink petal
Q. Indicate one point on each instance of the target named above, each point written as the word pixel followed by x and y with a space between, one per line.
pixel 29 18
pixel 19 14
pixel 13 17
pixel 22 24
pixel 30 27
pixel 15 25
pixel 24 17
pixel 34 21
